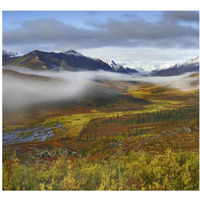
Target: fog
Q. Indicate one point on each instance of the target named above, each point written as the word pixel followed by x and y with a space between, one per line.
pixel 33 87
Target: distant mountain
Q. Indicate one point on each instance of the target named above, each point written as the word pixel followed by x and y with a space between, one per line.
pixel 120 68
pixel 70 60
pixel 8 55
pixel 191 65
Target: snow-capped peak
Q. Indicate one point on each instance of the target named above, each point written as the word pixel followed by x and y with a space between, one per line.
pixel 177 65
pixel 191 61
pixel 73 52
pixel 113 64
pixel 10 53
pixel 166 66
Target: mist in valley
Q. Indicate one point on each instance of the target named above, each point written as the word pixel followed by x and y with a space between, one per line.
pixel 23 87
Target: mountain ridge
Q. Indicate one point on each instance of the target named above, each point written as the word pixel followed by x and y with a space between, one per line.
pixel 173 69
pixel 119 68
pixel 70 60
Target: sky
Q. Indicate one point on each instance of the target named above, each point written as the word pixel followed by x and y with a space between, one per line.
pixel 144 40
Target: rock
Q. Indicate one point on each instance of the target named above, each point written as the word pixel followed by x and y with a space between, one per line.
pixel 50 152
pixel 71 153
pixel 183 129
pixel 114 144
pixel 46 154
pixel 186 129
pixel 74 153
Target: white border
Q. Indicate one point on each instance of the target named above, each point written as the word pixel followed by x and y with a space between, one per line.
pixel 95 5
pixel 100 5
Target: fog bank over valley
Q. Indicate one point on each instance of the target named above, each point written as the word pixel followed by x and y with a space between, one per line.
pixel 23 87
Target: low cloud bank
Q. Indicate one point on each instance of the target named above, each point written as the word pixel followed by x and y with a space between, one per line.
pixel 49 86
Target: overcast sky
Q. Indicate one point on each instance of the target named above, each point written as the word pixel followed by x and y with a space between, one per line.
pixel 136 39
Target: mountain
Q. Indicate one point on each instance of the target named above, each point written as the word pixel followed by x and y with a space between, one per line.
pixel 8 55
pixel 70 60
pixel 120 68
pixel 130 70
pixel 191 65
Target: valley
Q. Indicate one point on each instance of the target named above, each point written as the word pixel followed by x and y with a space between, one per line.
pixel 120 135
pixel 100 100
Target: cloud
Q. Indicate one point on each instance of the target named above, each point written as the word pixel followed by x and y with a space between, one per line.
pixel 167 32
pixel 141 58
pixel 44 31
pixel 187 16
pixel 20 92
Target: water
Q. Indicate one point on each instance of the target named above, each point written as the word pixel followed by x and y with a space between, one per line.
pixel 39 134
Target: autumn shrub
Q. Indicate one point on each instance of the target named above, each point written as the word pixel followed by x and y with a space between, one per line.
pixel 135 171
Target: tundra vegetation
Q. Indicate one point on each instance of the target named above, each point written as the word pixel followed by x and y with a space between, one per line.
pixel 144 138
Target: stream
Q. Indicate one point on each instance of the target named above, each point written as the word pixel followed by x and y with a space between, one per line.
pixel 40 133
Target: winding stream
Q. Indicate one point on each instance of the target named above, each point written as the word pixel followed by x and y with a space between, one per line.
pixel 39 134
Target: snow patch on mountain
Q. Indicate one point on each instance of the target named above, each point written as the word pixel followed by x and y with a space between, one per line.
pixel 119 68
pixel 72 52
pixel 10 54
pixel 191 61
pixel 166 66
pixel 113 64
pixel 177 65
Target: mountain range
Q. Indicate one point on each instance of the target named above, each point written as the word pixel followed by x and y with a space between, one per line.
pixel 70 60
pixel 191 65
